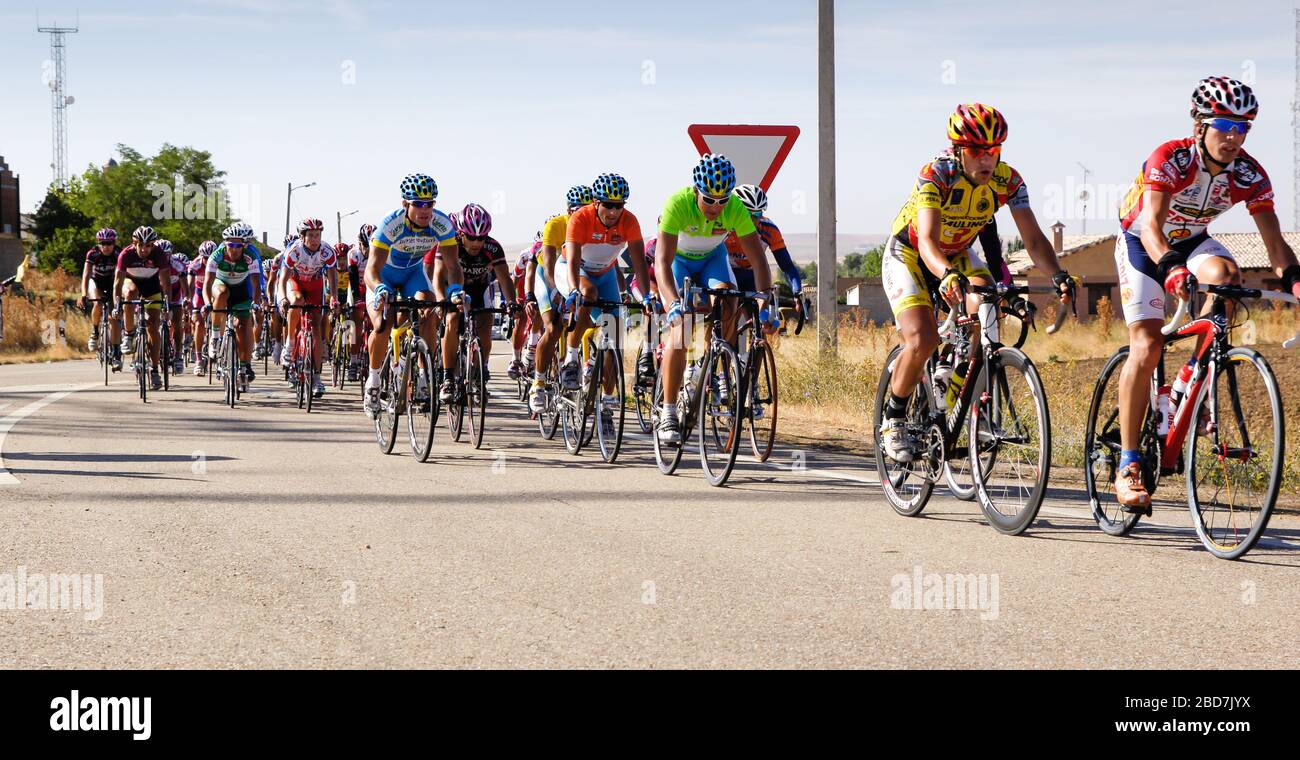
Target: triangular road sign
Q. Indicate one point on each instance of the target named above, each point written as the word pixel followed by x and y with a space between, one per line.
pixel 758 151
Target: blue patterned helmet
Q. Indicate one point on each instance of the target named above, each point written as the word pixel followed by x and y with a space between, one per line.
pixel 610 187
pixel 419 187
pixel 715 175
pixel 578 195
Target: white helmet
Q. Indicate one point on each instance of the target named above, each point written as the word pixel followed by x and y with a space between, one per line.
pixel 753 198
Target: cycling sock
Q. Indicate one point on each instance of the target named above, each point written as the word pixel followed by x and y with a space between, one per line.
pixel 895 407
pixel 669 410
pixel 1129 456
pixel 538 377
pixel 373 380
pixel 572 357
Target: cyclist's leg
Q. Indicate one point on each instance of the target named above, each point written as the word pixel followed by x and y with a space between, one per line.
pixel 153 326
pixel 129 293
pixel 381 319
pixel 674 357
pixel 909 298
pixel 717 274
pixel 607 288
pixel 1143 301
pixel 241 300
pixel 1214 265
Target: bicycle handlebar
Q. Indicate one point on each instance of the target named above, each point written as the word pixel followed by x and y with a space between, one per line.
pixel 1232 292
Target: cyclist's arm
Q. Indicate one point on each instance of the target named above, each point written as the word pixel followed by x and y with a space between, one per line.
pixel 1155 205
pixel 641 273
pixel 573 258
pixel 450 270
pixel 1036 245
pixel 928 223
pixel 1280 254
pixel 85 280
pixel 334 280
pixel 505 282
pixel 752 245
pixel 530 271
pixel 665 252
pixel 375 265
pixel 789 268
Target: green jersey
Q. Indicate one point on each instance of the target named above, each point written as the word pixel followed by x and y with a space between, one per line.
pixel 697 237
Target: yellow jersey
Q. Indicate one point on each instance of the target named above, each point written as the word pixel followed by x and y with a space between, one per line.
pixel 965 207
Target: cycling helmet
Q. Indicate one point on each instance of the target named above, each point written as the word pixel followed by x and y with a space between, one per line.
pixel 243 230
pixel 206 248
pixel 419 187
pixel 106 235
pixel 363 234
pixel 309 224
pixel 753 197
pixel 144 234
pixel 165 246
pixel 610 187
pixel 1223 96
pixel 715 175
pixel 474 220
pixel 975 124
pixel 578 195
pixel 342 248
pixel 290 240
pixel 233 232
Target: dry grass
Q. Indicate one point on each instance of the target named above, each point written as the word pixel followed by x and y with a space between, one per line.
pixel 32 318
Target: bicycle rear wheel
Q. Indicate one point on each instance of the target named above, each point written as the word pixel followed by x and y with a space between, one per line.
pixel 667 455
pixel 548 420
pixel 1011 432
pixel 907 485
pixel 718 414
pixel 1234 462
pixel 1102 448
pixel 456 409
pixel 761 406
pixel 387 418
pixel 421 414
pixel 610 417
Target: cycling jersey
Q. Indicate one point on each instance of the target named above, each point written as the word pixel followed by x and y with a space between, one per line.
pixel 179 266
pixel 102 265
pixel 479 270
pixel 553 232
pixel 143 270
pixel 697 237
pixel 600 244
pixel 964 207
pixel 1176 168
pixel 232 271
pixel 526 256
pixel 771 237
pixel 406 244
pixel 309 266
pixel 650 246
pixel 198 269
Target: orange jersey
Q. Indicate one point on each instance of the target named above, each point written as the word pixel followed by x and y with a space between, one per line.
pixel 601 245
pixel 767 230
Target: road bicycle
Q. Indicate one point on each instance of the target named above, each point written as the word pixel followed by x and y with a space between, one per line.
pixel 1226 436
pixel 588 413
pixel 140 339
pixel 998 401
pixel 758 367
pixel 104 348
pixel 302 367
pixel 340 349
pixel 469 377
pixel 224 354
pixel 406 383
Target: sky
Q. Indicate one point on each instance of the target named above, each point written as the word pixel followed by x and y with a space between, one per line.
pixel 509 103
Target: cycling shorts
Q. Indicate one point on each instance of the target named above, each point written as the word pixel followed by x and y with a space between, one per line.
pixel 907 282
pixel 1141 295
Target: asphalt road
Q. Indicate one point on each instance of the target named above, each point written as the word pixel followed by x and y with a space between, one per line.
pixel 267 537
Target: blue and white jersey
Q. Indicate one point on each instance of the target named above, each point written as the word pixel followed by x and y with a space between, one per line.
pixel 405 244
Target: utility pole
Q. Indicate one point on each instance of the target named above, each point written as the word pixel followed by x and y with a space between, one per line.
pixel 59 99
pixel 288 203
pixel 339 217
pixel 827 324
pixel 1083 195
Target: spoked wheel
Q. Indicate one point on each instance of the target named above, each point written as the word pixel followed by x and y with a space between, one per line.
pixel 456 409
pixel 338 360
pixel 667 455
pixel 301 384
pixel 958 472
pixel 1102 448
pixel 142 364
pixel 1012 434
pixel 610 415
pixel 387 418
pixel 907 485
pixel 1234 454
pixel 165 355
pixel 761 406
pixel 548 420
pixel 421 406
pixel 232 369
pixel 476 396
pixel 718 414
pixel 574 413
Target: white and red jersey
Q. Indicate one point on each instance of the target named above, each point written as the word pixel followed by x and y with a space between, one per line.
pixel 526 256
pixel 304 265
pixel 1198 197
pixel 180 265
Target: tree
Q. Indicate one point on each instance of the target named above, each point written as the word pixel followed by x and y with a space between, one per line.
pixel 65 233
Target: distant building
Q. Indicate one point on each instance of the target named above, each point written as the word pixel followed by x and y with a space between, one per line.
pixel 11 246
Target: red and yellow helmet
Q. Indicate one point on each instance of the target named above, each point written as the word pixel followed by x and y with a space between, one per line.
pixel 975 124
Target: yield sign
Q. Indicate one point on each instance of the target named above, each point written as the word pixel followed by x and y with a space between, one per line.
pixel 758 151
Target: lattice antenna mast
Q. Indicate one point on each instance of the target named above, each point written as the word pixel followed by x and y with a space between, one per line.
pixel 1295 132
pixel 59 99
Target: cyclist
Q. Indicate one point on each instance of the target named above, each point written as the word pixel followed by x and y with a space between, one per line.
pixel 309 264
pixel 755 202
pixel 524 271
pixel 357 297
pixel 396 268
pixel 1184 185
pixel 97 283
pixel 479 260
pixel 645 361
pixel 233 283
pixel 544 292
pixel 343 294
pixel 180 295
pixel 954 198
pixel 692 231
pixel 273 270
pixel 198 274
pixel 142 273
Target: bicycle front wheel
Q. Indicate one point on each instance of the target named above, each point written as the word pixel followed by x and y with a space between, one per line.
pixel 476 395
pixel 719 418
pixel 420 405
pixel 761 407
pixel 1234 454
pixel 387 418
pixel 610 413
pixel 1011 441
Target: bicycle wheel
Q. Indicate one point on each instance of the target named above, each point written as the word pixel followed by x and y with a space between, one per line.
pixel 1011 430
pixel 232 368
pixel 667 456
pixel 548 420
pixel 572 406
pixel 339 348
pixel 142 362
pixel 610 417
pixel 387 418
pixel 1235 460
pixel 456 409
pixel 718 414
pixel 761 406
pixel 420 406
pixel 907 485
pixel 476 398
pixel 1102 448
pixel 308 381
pixel 165 353
pixel 300 387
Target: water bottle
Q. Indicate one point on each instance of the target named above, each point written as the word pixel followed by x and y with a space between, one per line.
pixel 1181 383
pixel 954 388
pixel 942 376
pixel 1162 410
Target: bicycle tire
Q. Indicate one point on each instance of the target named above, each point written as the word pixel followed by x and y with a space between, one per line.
pixel 476 399
pixel 609 449
pixel 1232 430
pixel 142 362
pixel 667 456
pixel 389 411
pixel 995 396
pixel 421 417
pixel 909 501
pixel 1102 448
pixel 761 375
pixel 548 420
pixel 456 407
pixel 165 351
pixel 719 418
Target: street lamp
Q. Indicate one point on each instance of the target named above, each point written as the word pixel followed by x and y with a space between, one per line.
pixel 288 203
pixel 1083 196
pixel 340 218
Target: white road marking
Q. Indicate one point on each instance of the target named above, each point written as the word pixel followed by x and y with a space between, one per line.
pixel 6 424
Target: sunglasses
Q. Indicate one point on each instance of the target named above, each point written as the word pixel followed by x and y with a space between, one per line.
pixel 230 244
pixel 980 152
pixel 714 201
pixel 611 206
pixel 1230 125
pixel 476 238
pixel 423 204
